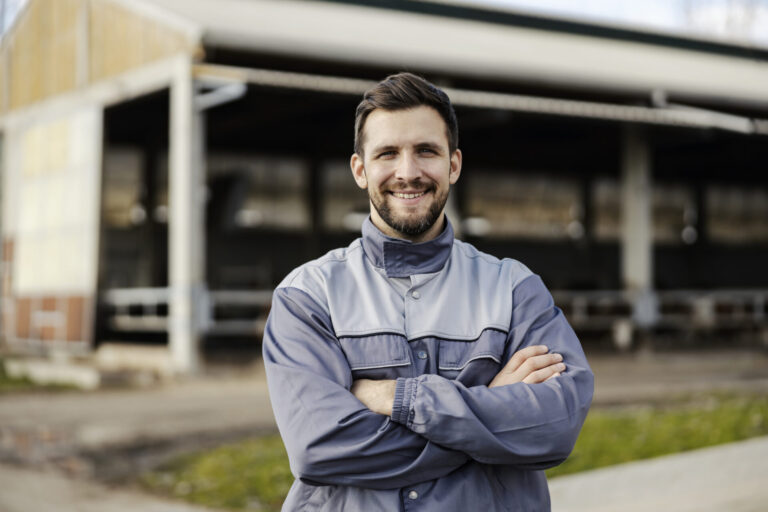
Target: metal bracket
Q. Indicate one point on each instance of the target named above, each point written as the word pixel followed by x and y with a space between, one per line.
pixel 220 95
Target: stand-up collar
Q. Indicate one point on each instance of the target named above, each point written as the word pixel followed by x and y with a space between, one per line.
pixel 403 258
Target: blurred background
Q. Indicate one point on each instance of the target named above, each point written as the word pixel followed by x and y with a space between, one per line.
pixel 165 163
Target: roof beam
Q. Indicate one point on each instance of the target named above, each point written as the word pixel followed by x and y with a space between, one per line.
pixel 671 115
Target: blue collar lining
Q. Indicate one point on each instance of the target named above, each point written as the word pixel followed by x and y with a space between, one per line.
pixel 403 258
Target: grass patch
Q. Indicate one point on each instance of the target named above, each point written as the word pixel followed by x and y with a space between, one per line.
pixel 254 475
pixel 249 475
pixel 10 384
pixel 613 437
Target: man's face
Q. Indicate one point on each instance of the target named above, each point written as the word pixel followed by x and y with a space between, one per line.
pixel 407 170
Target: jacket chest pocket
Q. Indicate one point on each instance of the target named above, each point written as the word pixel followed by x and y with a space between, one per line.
pixel 384 356
pixel 473 363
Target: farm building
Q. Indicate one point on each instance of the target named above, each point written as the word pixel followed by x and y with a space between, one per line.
pixel 166 162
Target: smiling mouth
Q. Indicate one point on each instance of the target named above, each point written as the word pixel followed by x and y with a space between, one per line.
pixel 402 195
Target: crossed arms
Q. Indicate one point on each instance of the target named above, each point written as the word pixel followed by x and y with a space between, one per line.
pixel 432 425
pixel 530 365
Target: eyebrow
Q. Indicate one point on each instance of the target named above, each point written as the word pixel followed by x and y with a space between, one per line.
pixel 430 145
pixel 381 149
pixel 419 145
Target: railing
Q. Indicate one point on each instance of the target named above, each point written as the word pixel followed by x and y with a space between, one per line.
pixel 244 312
pixel 698 308
pixel 622 312
pixel 239 312
pixel 225 312
pixel 136 309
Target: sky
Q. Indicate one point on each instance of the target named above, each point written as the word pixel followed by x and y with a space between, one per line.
pixel 8 11
pixel 739 21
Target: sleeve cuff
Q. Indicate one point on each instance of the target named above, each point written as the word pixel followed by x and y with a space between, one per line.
pixel 405 390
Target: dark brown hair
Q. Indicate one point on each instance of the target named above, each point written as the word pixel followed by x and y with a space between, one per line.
pixel 401 92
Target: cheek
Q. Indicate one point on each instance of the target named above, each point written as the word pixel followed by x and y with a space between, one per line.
pixel 441 176
pixel 375 177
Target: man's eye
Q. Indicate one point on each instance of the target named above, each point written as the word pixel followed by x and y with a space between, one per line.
pixel 427 151
pixel 386 154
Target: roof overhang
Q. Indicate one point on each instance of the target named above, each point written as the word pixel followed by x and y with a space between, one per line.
pixel 431 43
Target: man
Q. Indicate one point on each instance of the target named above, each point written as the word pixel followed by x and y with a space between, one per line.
pixel 409 371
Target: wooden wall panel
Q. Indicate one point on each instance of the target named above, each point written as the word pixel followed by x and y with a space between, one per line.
pixel 50 318
pixel 75 320
pixel 64 46
pixel 121 40
pixel 8 305
pixel 4 80
pixel 7 265
pixel 48 304
pixel 43 51
pixel 23 318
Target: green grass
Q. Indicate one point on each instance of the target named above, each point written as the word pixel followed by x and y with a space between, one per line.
pixel 613 437
pixel 10 384
pixel 249 475
pixel 254 475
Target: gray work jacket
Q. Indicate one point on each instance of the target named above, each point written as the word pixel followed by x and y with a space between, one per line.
pixel 451 443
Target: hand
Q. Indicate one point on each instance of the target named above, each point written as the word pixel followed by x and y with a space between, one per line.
pixel 377 395
pixel 530 365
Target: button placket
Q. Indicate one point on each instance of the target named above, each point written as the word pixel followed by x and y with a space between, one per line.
pixel 411 307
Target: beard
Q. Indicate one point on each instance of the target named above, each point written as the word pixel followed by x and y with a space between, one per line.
pixel 413 224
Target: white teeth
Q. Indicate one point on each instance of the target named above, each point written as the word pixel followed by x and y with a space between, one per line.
pixel 408 196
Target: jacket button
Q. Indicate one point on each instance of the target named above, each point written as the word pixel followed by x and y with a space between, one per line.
pixel 421 354
pixel 413 495
pixel 416 295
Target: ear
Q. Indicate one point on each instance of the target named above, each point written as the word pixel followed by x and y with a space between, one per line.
pixel 358 171
pixel 455 171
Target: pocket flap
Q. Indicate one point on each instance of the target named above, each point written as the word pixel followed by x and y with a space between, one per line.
pixel 380 351
pixel 456 355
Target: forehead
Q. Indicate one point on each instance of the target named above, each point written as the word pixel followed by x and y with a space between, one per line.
pixel 404 127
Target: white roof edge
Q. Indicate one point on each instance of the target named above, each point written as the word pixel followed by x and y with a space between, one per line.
pixel 393 39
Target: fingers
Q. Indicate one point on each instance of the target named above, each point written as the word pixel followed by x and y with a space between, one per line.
pixel 521 356
pixel 530 365
pixel 538 362
pixel 544 374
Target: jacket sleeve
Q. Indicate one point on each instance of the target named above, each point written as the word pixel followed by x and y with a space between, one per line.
pixel 533 426
pixel 330 436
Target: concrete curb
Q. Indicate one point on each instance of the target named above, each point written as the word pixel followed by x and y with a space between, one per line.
pixel 730 477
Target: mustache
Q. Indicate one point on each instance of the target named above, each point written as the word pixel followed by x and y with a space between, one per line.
pixel 415 185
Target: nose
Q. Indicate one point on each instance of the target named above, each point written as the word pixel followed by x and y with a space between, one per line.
pixel 408 168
